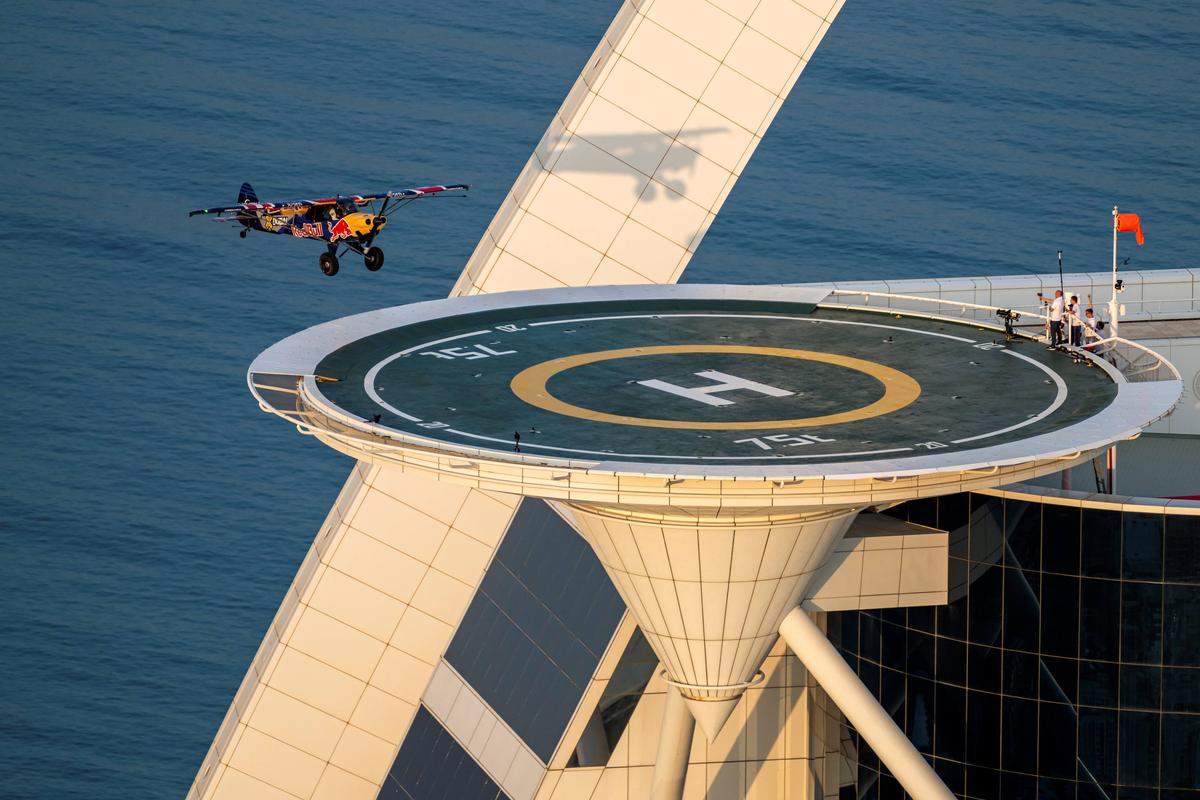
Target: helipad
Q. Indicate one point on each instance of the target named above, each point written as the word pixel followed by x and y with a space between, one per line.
pixel 689 375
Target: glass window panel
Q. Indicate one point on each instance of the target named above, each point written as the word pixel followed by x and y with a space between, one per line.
pixel 920 661
pixel 985 610
pixel 868 673
pixel 1141 623
pixel 959 575
pixel 868 637
pixel 432 766
pixel 919 714
pixel 1137 759
pixel 954 511
pixel 1059 679
pixel 1055 789
pixel 532 636
pixel 849 629
pixel 1098 744
pixel 987 529
pixel 1098 683
pixel 1056 740
pixel 1101 548
pixel 1020 610
pixel 1181 690
pixel 983 730
pixel 1022 672
pixel 891 694
pixel 951 661
pixel 1181 611
pixel 889 788
pixel 1023 528
pixel 1091 790
pixel 893 642
pixel 1141 687
pixel 950 728
pixel 983 784
pixel 984 667
pixel 1142 546
pixel 1019 736
pixel 1136 793
pixel 1060 615
pixel 921 618
pixel 1060 539
pixel 618 700
pixel 1099 610
pixel 1181 751
pixel 923 511
pixel 1012 785
pixel 1182 549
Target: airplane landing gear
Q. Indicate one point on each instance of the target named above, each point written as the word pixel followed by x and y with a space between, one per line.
pixel 242 233
pixel 373 258
pixel 329 263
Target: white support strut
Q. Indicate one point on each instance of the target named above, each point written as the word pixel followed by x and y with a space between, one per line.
pixel 861 708
pixel 674 747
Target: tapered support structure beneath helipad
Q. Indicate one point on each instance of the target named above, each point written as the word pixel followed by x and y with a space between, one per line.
pixel 709 592
pixel 861 708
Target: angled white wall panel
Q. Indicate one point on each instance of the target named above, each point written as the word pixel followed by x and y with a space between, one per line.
pixel 340 674
pixel 648 144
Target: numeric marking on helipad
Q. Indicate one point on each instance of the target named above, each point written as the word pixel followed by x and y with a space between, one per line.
pixel 782 440
pixel 469 353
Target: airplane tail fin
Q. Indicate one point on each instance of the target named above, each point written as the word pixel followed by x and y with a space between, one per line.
pixel 247 195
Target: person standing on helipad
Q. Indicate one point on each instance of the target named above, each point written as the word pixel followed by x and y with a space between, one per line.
pixel 1076 320
pixel 1057 307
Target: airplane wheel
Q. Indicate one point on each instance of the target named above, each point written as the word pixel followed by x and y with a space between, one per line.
pixel 242 233
pixel 373 258
pixel 329 263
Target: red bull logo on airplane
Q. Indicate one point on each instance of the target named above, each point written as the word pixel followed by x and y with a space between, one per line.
pixel 340 230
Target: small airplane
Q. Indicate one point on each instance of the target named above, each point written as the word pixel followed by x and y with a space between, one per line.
pixel 337 221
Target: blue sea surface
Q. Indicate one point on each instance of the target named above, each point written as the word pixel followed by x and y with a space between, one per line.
pixel 151 517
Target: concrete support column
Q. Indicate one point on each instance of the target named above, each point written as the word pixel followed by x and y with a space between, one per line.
pixel 674 746
pixel 862 709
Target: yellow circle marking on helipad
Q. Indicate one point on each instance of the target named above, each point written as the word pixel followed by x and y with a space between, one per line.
pixel 899 389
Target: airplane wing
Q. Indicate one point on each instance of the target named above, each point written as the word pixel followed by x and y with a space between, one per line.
pixel 219 210
pixel 252 209
pixel 299 206
pixel 409 194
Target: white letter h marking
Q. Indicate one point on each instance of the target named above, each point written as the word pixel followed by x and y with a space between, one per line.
pixel 728 383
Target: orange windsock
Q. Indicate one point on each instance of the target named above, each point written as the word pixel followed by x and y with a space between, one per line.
pixel 1131 222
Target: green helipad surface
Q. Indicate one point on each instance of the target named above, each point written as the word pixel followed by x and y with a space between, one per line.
pixel 709 381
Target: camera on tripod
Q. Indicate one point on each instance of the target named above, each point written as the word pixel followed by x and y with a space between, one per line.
pixel 1009 316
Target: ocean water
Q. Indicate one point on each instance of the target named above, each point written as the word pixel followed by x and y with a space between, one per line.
pixel 151 517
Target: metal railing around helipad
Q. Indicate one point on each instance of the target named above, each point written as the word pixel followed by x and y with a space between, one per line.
pixel 1138 363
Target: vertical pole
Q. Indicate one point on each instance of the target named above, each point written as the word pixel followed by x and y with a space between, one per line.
pixel 862 709
pixel 1112 469
pixel 1112 303
pixel 674 747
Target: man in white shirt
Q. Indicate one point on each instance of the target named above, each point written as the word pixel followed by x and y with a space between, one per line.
pixel 1057 307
